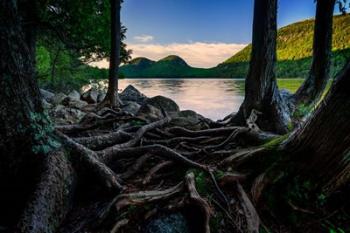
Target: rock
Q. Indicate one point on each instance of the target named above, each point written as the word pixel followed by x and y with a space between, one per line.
pixel 131 107
pixel 130 93
pixel 46 105
pixel 101 96
pixel 161 102
pixel 74 95
pixel 58 99
pixel 90 96
pixel 63 115
pixel 189 113
pixel 190 120
pixel 47 95
pixel 174 223
pixel 74 103
pixel 150 112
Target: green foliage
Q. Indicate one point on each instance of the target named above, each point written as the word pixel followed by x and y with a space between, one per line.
pixel 201 182
pixel 302 110
pixel 61 70
pixel 168 67
pixel 215 221
pixel 42 129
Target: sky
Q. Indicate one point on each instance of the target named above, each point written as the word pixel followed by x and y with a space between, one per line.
pixel 203 32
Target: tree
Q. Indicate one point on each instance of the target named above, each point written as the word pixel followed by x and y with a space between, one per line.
pixel 261 91
pixel 313 87
pixel 27 146
pixel 111 98
pixel 310 160
pixel 342 6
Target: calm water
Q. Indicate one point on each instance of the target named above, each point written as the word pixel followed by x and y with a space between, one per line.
pixel 212 98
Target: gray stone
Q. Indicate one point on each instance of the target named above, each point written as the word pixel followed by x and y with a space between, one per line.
pixel 74 95
pixel 190 119
pixel 90 96
pixel 74 103
pixel 174 223
pixel 131 107
pixel 150 112
pixel 164 103
pixel 101 96
pixel 63 115
pixel 47 95
pixel 58 99
pixel 46 105
pixel 130 93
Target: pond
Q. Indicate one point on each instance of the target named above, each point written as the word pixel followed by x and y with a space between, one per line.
pixel 212 98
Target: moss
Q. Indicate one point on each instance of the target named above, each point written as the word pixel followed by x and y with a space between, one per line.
pixel 302 111
pixel 41 129
pixel 275 143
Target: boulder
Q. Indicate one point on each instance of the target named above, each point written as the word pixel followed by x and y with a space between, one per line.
pixel 63 115
pixel 190 120
pixel 74 103
pixel 101 96
pixel 164 103
pixel 58 99
pixel 131 107
pixel 90 96
pixel 46 105
pixel 150 112
pixel 130 93
pixel 74 95
pixel 47 95
pixel 174 223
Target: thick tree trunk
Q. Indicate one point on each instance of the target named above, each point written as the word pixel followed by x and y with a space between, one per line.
pixel 26 147
pixel 321 148
pixel 261 91
pixel 112 93
pixel 313 87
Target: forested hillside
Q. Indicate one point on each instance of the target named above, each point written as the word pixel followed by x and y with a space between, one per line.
pixel 294 50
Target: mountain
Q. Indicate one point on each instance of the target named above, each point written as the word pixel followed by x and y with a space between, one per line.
pixel 294 54
pixel 169 67
pixel 294 50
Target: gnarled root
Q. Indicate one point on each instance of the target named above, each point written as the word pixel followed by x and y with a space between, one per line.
pixel 90 159
pixel 197 200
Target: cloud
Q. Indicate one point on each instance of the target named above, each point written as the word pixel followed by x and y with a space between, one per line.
pixel 144 38
pixel 197 54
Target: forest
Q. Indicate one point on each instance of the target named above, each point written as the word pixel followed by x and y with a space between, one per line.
pixel 279 164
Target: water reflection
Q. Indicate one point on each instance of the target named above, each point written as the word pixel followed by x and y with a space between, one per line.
pixel 213 98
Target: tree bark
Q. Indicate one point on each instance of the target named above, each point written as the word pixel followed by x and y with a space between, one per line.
pixel 26 145
pixel 313 87
pixel 112 98
pixel 261 91
pixel 321 148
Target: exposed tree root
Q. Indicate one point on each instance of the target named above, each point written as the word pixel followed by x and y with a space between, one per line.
pixel 90 160
pixel 201 203
pixel 154 170
pixel 103 141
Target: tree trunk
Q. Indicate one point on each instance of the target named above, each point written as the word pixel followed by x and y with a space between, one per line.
pixel 26 145
pixel 261 91
pixel 321 148
pixel 112 93
pixel 313 87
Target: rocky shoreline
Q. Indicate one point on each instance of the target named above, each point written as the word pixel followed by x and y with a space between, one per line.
pixel 73 107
